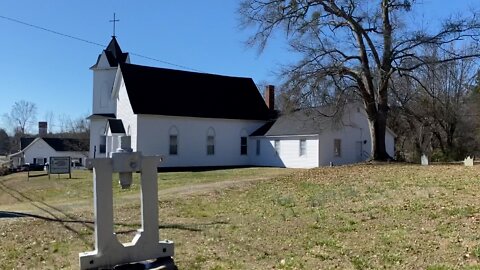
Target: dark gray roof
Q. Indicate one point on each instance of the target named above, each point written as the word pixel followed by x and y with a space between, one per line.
pixel 161 91
pixel 67 144
pixel 24 142
pixel 59 144
pixel 116 126
pixel 102 115
pixel 311 121
pixel 299 122
pixel 114 54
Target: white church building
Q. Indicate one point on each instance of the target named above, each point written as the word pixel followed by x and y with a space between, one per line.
pixel 207 120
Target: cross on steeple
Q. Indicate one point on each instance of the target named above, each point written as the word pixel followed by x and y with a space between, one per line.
pixel 114 21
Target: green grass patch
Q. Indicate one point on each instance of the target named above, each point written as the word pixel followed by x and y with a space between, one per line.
pixel 18 187
pixel 350 217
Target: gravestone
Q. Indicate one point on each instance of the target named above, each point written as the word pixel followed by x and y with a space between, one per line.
pixel 424 160
pixel 109 252
pixel 468 161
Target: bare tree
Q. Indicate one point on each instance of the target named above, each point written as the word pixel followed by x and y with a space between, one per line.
pixel 355 46
pixel 77 128
pixel 22 116
pixel 437 109
pixel 50 118
pixel 4 142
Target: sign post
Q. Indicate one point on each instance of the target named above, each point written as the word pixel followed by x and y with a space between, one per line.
pixel 60 165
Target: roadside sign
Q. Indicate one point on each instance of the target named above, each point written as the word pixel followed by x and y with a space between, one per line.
pixel 59 165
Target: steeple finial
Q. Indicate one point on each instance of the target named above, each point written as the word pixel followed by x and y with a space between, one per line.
pixel 114 21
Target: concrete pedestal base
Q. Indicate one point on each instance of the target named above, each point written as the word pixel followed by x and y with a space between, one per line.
pixel 159 264
pixel 145 245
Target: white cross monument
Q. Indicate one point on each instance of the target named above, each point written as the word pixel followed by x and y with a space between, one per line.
pixel 109 252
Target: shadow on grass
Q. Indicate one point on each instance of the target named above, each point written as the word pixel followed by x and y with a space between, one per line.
pixel 64 177
pixel 65 218
pixel 37 175
pixel 186 227
pixel 49 209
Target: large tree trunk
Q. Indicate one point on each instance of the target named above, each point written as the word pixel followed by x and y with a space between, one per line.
pixel 377 121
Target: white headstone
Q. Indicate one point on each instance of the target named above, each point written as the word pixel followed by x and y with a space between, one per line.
pixel 424 160
pixel 468 161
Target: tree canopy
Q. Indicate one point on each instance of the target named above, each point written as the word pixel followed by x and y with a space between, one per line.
pixel 22 115
pixel 354 48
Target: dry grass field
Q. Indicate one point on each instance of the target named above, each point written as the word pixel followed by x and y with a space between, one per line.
pixel 350 217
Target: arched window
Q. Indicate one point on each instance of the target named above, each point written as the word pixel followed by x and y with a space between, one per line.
pixel 210 141
pixel 173 137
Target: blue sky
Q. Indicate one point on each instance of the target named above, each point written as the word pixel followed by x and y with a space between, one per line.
pixel 52 71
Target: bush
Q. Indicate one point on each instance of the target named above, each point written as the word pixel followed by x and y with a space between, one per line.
pixel 4 170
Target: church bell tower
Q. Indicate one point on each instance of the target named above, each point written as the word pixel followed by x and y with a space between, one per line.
pixel 104 72
pixel 104 107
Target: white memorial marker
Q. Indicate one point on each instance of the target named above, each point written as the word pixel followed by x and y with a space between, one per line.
pixel 145 245
pixel 468 161
pixel 424 160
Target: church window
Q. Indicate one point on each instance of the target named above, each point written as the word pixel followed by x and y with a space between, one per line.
pixel 258 148
pixel 303 147
pixel 103 144
pixel 337 147
pixel 243 145
pixel 211 142
pixel 173 144
pixel 243 142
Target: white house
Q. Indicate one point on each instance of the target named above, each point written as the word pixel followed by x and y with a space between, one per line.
pixel 37 151
pixel 197 119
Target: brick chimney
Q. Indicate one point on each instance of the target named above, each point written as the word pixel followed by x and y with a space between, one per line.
pixel 42 129
pixel 270 97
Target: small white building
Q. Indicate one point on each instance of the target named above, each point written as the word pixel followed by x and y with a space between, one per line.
pixel 202 120
pixel 37 151
pixel 307 138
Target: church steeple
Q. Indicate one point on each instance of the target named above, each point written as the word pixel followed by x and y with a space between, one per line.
pixel 113 47
pixel 113 54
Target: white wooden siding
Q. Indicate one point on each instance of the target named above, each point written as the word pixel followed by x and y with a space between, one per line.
pixel 102 102
pixel 102 90
pixel 153 139
pixel 289 154
pixel 353 131
pixel 125 113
